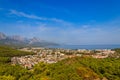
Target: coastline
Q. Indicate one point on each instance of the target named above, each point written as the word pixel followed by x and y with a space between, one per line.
pixel 89 47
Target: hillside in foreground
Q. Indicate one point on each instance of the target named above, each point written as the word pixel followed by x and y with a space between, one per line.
pixel 77 68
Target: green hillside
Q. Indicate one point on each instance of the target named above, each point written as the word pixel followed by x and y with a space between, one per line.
pixel 78 68
pixel 6 53
pixel 10 52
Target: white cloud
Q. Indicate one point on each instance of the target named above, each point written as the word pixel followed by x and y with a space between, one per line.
pixel 22 14
pixel 70 33
pixel 85 26
pixel 73 34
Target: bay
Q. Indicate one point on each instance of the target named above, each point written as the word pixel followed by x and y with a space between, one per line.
pixel 85 46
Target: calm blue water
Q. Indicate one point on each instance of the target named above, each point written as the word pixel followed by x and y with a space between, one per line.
pixel 85 46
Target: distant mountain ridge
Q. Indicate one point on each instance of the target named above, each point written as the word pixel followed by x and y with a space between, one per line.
pixel 20 41
pixel 2 36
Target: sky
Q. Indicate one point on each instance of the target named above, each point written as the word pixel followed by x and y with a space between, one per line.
pixel 74 22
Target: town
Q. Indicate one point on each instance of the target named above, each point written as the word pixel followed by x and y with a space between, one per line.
pixel 53 55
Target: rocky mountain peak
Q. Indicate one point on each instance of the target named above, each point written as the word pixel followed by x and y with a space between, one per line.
pixel 2 36
pixel 17 38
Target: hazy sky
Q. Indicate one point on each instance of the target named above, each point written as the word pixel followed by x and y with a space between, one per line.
pixel 63 21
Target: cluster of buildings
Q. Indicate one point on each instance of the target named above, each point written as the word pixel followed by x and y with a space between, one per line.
pixel 103 53
pixel 48 55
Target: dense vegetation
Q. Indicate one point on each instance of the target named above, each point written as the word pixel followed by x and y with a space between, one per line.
pixel 10 52
pixel 6 53
pixel 8 71
pixel 78 68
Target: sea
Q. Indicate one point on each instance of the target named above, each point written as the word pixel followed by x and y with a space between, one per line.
pixel 89 47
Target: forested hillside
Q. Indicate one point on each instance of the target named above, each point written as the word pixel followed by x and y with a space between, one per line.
pixel 10 52
pixel 77 68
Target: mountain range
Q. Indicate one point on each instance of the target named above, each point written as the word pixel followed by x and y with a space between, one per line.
pixel 20 41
